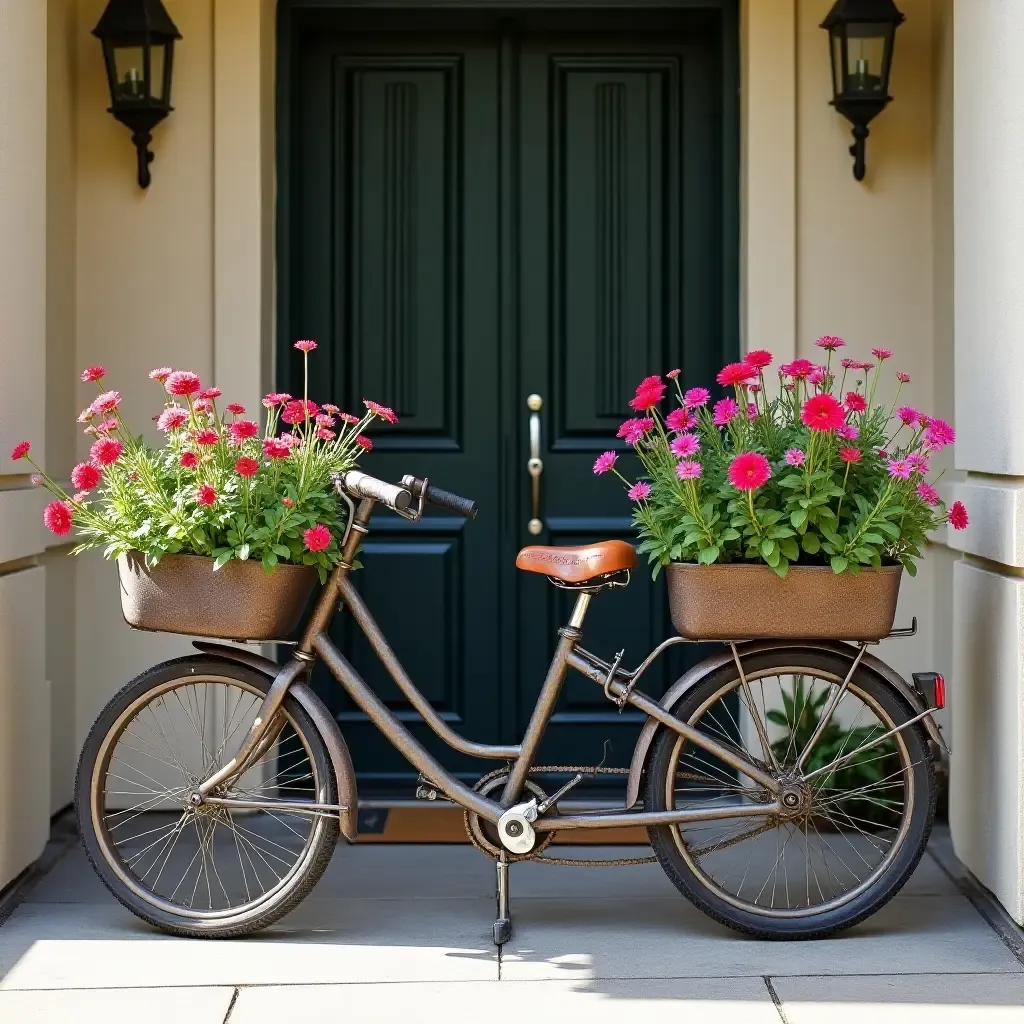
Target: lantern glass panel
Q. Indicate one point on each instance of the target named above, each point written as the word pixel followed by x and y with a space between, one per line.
pixel 130 71
pixel 865 59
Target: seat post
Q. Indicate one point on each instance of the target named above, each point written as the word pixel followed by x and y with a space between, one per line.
pixel 579 610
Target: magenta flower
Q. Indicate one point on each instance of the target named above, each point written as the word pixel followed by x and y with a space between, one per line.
pixel 736 373
pixel 918 463
pixel 882 353
pixel 927 494
pixel 749 471
pixel 382 411
pixel 724 411
pixel 909 416
pixel 649 392
pixel 57 517
pixel 85 476
pixel 183 383
pixel 903 378
pixel 235 409
pixel 798 369
pixel 172 418
pixel 938 434
pixel 106 403
pixel 639 491
pixel 680 419
pixel 830 342
pixel 20 450
pixel 604 462
pixel 685 445
pixel 93 373
pixel 958 517
pixel 696 397
pixel 855 401
pixel 760 358
pixel 689 469
pixel 848 432
pixel 106 451
pixel 823 413
pixel 672 374
pixel 305 346
pixel 899 469
pixel 794 457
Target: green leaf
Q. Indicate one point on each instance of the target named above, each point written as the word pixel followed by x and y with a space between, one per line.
pixel 221 559
pixel 839 564
pixel 781 568
pixel 707 555
pixel 790 549
pixel 280 549
pixel 774 558
pixel 730 534
pixel 243 553
pixel 810 543
pixel 798 517
pixel 767 548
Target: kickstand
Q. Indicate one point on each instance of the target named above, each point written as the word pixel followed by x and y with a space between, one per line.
pixel 503 925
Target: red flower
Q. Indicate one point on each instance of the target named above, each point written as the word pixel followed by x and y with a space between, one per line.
pixel 183 382
pixel 206 436
pixel 364 442
pixel 830 342
pixel 247 467
pixel 822 412
pixel 172 418
pixel 760 358
pixel 855 401
pixel 275 448
pixel 325 434
pixel 106 451
pixel 189 460
pixel 85 476
pixel 305 346
pixel 297 410
pixel 850 454
pixel 203 405
pixel 798 369
pixel 958 517
pixel 242 430
pixel 749 471
pixel 386 414
pixel 287 502
pixel 90 374
pixel 57 517
pixel 649 392
pixel 211 393
pixel 206 495
pixel 903 378
pixel 737 373
pixel 317 537
pixel 161 373
pixel 235 409
pixel 107 402
pixel 20 450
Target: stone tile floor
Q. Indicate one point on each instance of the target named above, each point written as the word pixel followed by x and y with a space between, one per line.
pixel 403 932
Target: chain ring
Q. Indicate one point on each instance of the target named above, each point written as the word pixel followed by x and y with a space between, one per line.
pixel 475 826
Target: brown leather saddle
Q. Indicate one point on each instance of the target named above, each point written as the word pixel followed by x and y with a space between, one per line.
pixel 588 566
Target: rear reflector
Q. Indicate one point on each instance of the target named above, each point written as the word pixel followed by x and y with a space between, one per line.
pixel 932 687
pixel 940 691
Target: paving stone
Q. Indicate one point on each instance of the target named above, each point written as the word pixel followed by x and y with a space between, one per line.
pixel 121 1006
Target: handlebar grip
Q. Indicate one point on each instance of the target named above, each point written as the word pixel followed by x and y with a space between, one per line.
pixel 362 485
pixel 452 502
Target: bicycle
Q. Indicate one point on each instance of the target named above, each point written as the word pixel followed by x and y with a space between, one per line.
pixel 725 783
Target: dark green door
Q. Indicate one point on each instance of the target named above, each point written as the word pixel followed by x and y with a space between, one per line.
pixel 477 209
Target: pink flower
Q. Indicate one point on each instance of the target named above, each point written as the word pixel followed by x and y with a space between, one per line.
pixel 364 442
pixel 680 419
pixel 206 436
pixel 325 434
pixel 332 409
pixel 938 434
pixel 290 439
pixel 305 346
pixel 822 412
pixel 324 420
pixel 105 403
pixel 235 409
pixel 903 378
pixel 172 418
pixel 736 373
pixel 755 388
pixel 86 414
pixel 672 374
pixel 724 411
pixel 927 494
pixel 795 457
pixel 80 497
pixel 347 417
pixel 105 451
pixel 161 373
pixel 684 446
pixel 918 463
pixel 247 467
pixel 20 450
pixel 107 425
pixel 287 502
pixel 639 491
pixel 85 476
pixel 37 479
pixel 189 460
pixel 958 518
pixel 751 411
pixel 848 432
pixel 798 369
pixel 183 383
pixel 909 416
pixel 749 471
pixel 604 462
pixel 317 538
pixel 899 469
pixel 696 397
pixel 649 392
pixel 882 353
pixel 386 414
pixel 689 469
pixel 855 401
pixel 849 455
pixel 760 358
pixel 206 495
pixel 203 405
pixel 92 373
pixel 275 448
pixel 297 410
pixel 633 430
pixel 242 430
pixel 57 516
pixel 830 342
pixel 211 393
pixel 850 364
pixel 276 398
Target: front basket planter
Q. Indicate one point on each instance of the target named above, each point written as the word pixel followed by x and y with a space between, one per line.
pixel 183 594
pixel 750 602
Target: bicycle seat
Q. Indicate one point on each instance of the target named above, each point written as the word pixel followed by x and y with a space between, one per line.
pixel 579 564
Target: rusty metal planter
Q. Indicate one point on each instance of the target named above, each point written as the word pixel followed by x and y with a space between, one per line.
pixel 749 602
pixel 239 601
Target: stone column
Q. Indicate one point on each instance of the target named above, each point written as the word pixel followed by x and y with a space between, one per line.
pixel 987 688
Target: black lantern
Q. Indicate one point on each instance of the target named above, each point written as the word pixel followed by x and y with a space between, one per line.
pixel 861 34
pixel 138 50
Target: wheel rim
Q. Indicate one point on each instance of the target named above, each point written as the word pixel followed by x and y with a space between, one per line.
pixel 207 863
pixel 852 817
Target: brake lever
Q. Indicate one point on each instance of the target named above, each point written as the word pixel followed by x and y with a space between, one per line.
pixel 414 514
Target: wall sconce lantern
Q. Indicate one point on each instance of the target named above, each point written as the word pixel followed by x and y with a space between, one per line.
pixel 861 35
pixel 138 49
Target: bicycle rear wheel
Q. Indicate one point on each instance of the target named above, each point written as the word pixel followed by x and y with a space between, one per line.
pixel 204 871
pixel 862 810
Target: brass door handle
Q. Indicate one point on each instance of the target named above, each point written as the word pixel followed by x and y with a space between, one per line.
pixel 534 465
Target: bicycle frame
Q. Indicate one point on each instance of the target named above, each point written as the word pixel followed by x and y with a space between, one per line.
pixel 619 685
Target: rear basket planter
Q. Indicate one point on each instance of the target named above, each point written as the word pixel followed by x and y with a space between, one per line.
pixel 749 602
pixel 182 594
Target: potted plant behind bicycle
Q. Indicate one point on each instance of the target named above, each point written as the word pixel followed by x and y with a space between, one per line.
pixel 224 529
pixel 785 516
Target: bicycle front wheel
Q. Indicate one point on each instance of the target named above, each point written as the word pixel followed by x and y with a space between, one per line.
pixel 206 871
pixel 862 801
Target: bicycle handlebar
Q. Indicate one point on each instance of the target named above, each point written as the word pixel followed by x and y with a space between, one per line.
pixel 362 485
pixel 442 499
